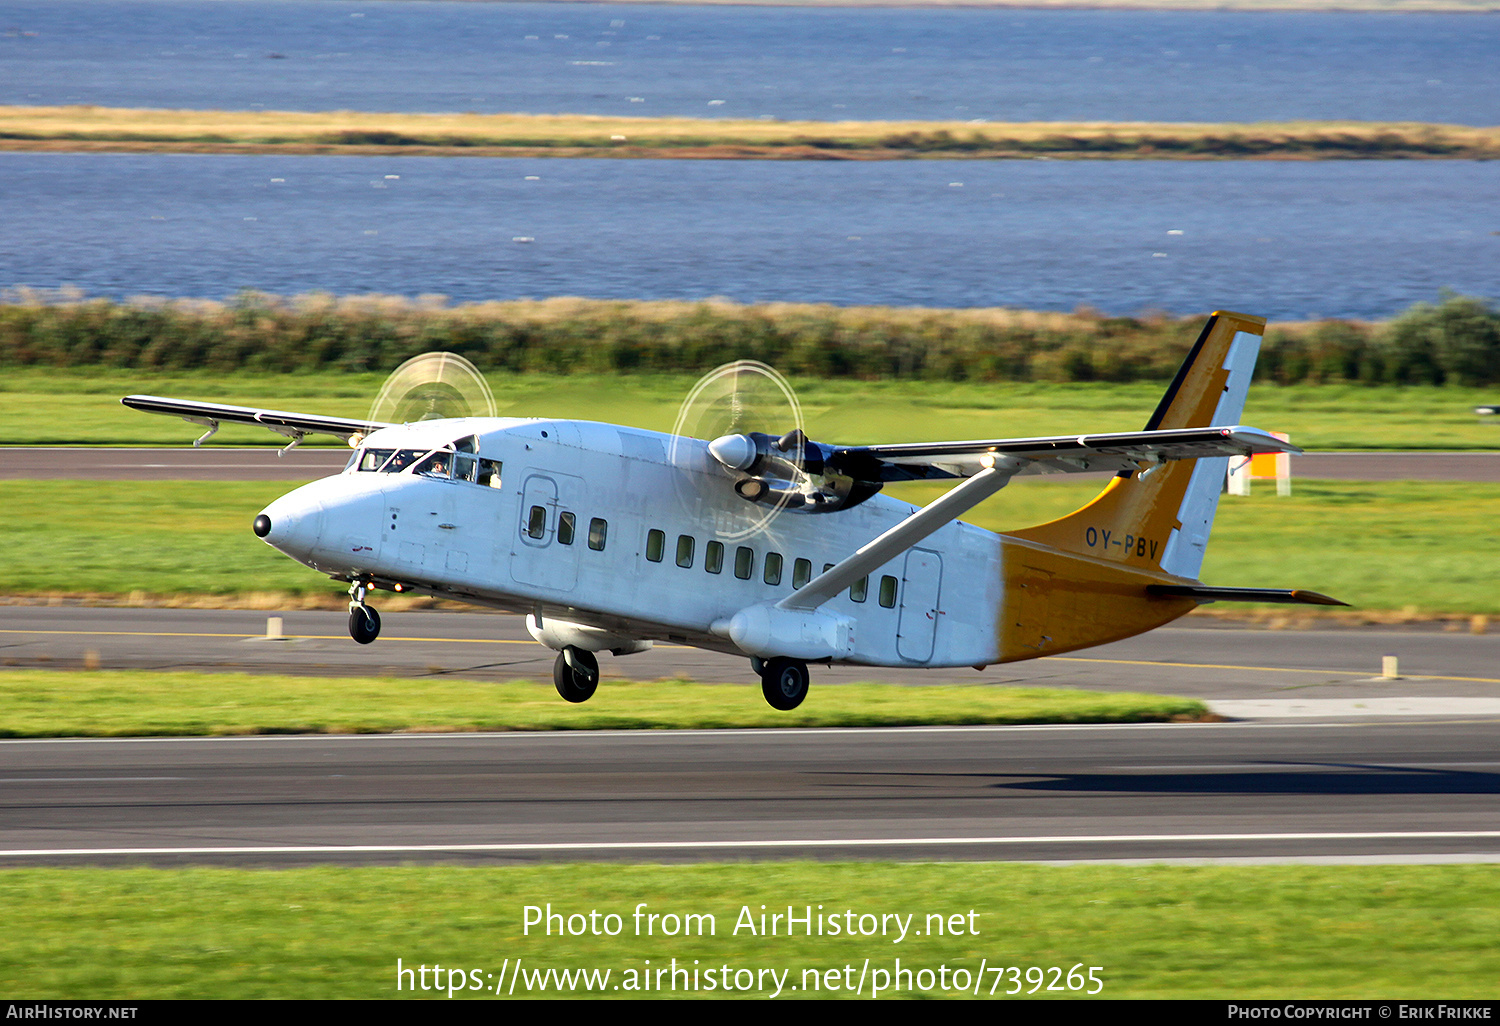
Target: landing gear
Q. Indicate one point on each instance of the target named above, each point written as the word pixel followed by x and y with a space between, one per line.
pixel 784 682
pixel 364 622
pixel 576 674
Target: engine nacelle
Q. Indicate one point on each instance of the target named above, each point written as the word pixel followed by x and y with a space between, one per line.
pixel 768 631
pixel 789 473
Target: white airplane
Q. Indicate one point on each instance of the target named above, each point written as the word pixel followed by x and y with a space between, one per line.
pixel 610 538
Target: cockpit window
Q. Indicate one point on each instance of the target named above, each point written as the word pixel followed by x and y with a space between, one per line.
pixel 400 460
pixel 372 459
pixel 489 473
pixel 470 444
pixel 435 464
pixel 394 461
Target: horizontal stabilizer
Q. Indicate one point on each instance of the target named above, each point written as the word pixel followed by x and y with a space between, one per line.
pixel 1205 593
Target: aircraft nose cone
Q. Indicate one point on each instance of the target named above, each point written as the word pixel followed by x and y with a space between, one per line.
pixel 295 527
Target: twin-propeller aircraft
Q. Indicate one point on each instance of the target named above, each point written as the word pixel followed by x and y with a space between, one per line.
pixel 610 538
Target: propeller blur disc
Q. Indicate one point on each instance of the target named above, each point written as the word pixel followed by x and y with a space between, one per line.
pixel 735 399
pixel 433 386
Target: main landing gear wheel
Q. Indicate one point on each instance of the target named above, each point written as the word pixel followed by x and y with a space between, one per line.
pixel 576 674
pixel 364 624
pixel 784 682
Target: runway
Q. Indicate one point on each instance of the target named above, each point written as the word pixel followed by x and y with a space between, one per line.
pixel 1346 767
pixel 213 463
pixel 1326 762
pixel 1380 791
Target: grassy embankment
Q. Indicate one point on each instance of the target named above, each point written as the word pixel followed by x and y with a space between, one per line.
pixel 1272 932
pixel 1453 342
pixel 572 135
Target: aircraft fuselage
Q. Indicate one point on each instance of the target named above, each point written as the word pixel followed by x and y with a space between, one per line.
pixel 607 527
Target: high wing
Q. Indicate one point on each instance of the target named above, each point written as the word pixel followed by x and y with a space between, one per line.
pixel 989 466
pixel 1062 454
pixel 210 415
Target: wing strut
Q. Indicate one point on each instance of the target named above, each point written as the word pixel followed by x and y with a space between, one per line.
pixel 995 476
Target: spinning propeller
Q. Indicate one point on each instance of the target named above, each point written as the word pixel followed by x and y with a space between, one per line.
pixel 433 386
pixel 752 423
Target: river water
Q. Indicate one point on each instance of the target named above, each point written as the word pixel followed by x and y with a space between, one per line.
pixel 1286 239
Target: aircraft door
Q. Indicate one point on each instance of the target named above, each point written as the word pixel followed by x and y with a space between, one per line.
pixel 921 589
pixel 544 544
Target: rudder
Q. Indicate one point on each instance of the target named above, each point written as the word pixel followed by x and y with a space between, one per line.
pixel 1158 519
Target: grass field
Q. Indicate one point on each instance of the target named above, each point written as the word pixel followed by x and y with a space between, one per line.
pixel 41 703
pixel 1282 932
pixel 112 128
pixel 82 407
pixel 1385 547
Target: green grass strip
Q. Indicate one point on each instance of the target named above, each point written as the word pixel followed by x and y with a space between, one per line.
pixel 1397 547
pixel 81 406
pixel 110 703
pixel 1282 932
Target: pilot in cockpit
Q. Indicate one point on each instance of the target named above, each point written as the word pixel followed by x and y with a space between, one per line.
pixel 435 465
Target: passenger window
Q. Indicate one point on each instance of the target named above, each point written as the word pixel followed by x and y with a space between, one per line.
pixel 536 524
pixel 713 557
pixel 773 568
pixel 744 563
pixel 656 544
pixel 489 473
pixel 565 525
pixel 598 530
pixel 801 573
pixel 888 591
pixel 685 550
pixel 860 589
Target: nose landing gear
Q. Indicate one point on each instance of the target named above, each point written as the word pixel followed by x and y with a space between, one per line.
pixel 364 621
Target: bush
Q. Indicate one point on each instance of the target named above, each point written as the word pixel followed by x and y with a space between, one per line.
pixel 1457 340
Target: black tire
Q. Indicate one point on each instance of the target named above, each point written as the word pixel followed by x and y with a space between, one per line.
pixel 784 682
pixel 364 624
pixel 578 681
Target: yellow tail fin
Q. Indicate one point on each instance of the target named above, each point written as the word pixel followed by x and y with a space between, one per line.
pixel 1158 519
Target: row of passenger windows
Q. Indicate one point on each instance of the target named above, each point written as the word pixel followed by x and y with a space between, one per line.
pixel 772 568
pixel 567 528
